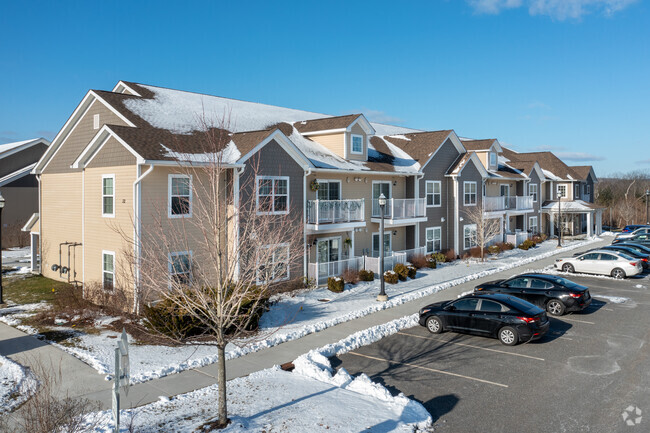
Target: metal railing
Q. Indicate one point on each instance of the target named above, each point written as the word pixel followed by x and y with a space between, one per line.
pixel 401 208
pixel 506 202
pixel 320 272
pixel 335 211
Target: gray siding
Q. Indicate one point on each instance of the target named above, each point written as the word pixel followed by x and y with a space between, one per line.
pixel 469 174
pixel 435 170
pixel 21 159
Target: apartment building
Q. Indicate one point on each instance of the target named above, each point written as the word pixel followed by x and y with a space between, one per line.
pixel 118 161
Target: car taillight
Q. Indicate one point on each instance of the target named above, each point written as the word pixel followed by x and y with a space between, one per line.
pixel 528 319
pixel 633 263
pixel 575 295
pixel 644 260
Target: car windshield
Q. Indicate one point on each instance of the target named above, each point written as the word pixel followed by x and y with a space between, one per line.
pixel 564 282
pixel 523 306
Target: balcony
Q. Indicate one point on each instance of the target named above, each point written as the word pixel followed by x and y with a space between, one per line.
pixel 504 203
pixel 332 215
pixel 401 211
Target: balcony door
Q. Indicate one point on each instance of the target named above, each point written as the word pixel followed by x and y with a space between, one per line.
pixel 329 190
pixel 505 193
pixel 379 188
pixel 375 244
pixel 329 250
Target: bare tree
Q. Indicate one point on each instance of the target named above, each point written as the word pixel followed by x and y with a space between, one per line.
pixel 241 242
pixel 487 228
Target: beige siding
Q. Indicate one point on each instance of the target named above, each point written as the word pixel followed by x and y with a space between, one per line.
pixel 334 142
pixel 61 222
pixel 114 234
pixel 483 157
pixel 357 130
pixel 493 188
pixel 113 154
pixel 82 134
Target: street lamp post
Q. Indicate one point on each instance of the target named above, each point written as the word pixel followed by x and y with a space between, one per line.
pixel 2 205
pixel 382 297
pixel 647 206
pixel 559 219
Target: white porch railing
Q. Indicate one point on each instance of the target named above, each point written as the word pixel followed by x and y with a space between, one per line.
pixel 506 203
pixel 421 251
pixel 372 263
pixel 517 237
pixel 320 272
pixel 335 211
pixel 401 208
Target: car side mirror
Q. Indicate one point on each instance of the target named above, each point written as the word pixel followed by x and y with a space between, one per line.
pixel 581 258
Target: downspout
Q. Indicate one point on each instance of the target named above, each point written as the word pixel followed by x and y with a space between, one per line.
pixel 137 229
pixel 83 234
pixel 305 266
pixel 40 226
pixel 235 186
pixel 456 215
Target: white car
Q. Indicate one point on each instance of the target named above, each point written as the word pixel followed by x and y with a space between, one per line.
pixel 602 262
pixel 639 231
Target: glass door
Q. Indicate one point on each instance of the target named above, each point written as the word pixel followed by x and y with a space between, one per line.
pixel 375 244
pixel 505 193
pixel 378 189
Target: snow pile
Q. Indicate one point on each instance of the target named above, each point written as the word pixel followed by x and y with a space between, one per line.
pixel 614 299
pixel 16 384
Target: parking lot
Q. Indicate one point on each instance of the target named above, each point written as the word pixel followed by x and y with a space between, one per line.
pixel 582 376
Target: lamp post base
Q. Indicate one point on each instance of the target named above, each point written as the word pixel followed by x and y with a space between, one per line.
pixel 382 298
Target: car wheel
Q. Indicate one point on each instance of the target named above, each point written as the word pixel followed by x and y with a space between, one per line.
pixel 568 267
pixel 508 336
pixel 618 273
pixel 434 325
pixel 555 307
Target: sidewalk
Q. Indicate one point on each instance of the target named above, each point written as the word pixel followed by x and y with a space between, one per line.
pixel 80 380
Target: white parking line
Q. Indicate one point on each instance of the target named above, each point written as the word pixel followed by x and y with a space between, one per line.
pixel 429 369
pixel 470 345
pixel 576 320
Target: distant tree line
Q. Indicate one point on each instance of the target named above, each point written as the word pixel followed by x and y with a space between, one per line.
pixel 624 196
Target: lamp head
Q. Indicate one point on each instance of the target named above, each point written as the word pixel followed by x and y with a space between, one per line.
pixel 2 201
pixel 382 200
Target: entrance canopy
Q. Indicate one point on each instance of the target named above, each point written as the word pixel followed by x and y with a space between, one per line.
pixel 593 212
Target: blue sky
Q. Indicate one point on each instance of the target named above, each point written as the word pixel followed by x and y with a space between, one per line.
pixel 572 76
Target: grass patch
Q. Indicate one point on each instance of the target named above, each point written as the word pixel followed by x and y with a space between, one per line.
pixel 28 289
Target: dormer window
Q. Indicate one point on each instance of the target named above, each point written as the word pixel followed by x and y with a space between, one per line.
pixel 493 159
pixel 357 144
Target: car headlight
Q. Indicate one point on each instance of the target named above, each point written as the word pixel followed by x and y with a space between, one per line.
pixel 424 311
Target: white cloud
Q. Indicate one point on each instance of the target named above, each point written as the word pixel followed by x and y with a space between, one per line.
pixel 557 9
pixel 379 116
pixel 578 156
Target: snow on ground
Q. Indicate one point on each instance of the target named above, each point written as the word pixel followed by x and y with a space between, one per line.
pixel 15 383
pixel 292 317
pixel 614 299
pixel 16 253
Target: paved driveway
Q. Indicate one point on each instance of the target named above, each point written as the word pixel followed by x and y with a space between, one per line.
pixel 580 377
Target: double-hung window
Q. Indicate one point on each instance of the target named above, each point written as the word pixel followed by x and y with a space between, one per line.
pixel 493 159
pixel 532 225
pixel 108 195
pixel 180 268
pixel 273 195
pixel 180 195
pixel 433 239
pixel 532 191
pixel 273 263
pixel 469 233
pixel 357 144
pixel 561 191
pixel 433 191
pixel 469 189
pixel 108 270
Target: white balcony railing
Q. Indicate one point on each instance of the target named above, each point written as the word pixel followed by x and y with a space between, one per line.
pixel 335 211
pixel 401 208
pixel 320 272
pixel 507 203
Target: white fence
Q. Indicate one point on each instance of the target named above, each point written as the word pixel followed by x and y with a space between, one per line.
pixel 372 263
pixel 517 237
pixel 320 272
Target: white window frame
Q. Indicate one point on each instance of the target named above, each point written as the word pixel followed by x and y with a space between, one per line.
pixel 576 192
pixel 531 193
pixel 530 224
pixel 433 230
pixel 465 193
pixel 96 121
pixel 257 194
pixel 170 265
pixel 493 155
pixel 104 271
pixel 352 151
pixel 273 280
pixel 328 181
pixel 112 196
pixel 560 187
pixel 169 195
pixel 472 238
pixel 433 184
pixel 390 241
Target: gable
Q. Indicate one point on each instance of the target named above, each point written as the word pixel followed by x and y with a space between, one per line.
pixel 111 154
pixel 441 161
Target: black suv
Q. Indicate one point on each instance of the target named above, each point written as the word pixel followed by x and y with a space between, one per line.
pixel 556 294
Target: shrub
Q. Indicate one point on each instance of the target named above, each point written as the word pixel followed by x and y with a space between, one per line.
pixel 450 255
pixel 494 249
pixel 438 257
pixel 544 236
pixel 431 262
pixel 419 261
pixel 365 275
pixel 390 277
pixel 475 252
pixel 527 244
pixel 335 284
pixel 350 276
pixel 505 246
pixel 401 271
pixel 537 239
pixel 412 271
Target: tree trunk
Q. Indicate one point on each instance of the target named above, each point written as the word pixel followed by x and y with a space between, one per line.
pixel 221 384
